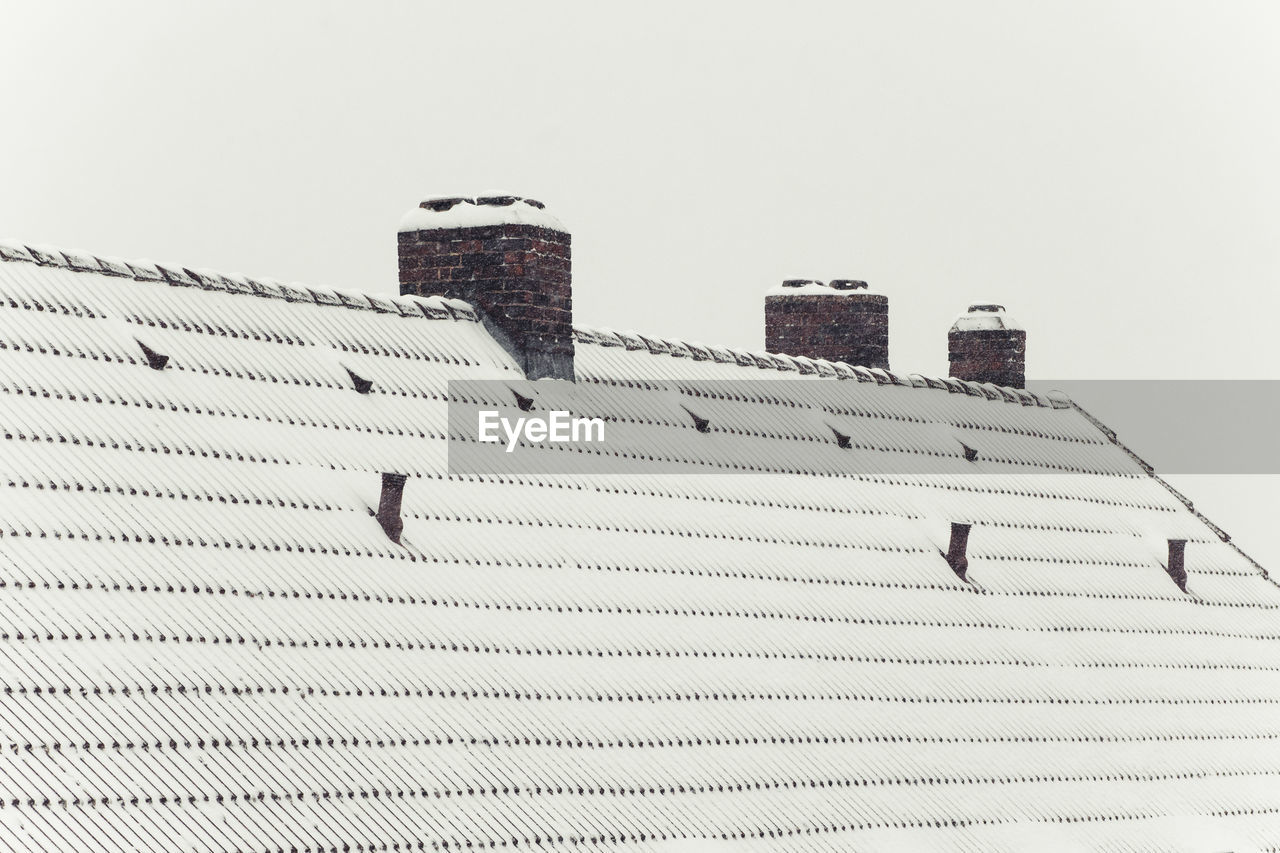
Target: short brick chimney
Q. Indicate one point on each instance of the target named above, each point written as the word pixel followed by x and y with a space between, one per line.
pixel 506 256
pixel 986 345
pixel 842 321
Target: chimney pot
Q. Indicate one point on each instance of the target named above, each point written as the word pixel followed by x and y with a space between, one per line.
pixel 847 284
pixel 801 282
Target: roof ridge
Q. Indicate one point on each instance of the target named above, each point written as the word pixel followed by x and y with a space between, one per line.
pixel 817 367
pixel 440 307
pixel 76 260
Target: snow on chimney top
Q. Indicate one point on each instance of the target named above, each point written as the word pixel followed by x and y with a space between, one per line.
pixel 985 315
pixel 455 211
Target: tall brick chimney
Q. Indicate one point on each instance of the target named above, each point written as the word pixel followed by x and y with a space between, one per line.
pixel 510 259
pixel 986 345
pixel 842 321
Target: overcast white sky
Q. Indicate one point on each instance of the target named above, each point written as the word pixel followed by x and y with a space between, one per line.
pixel 1108 170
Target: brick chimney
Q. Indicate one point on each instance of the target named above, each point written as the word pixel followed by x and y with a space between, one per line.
pixel 842 321
pixel 509 258
pixel 986 345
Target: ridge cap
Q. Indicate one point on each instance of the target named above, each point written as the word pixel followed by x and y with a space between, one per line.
pixel 262 287
pixel 668 347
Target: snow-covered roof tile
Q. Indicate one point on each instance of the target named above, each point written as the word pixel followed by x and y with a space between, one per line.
pixel 144 270
pixel 295 292
pixel 432 306
pixel 609 338
pixel 237 283
pixel 114 266
pixel 267 287
pixel 461 310
pixel 12 250
pixel 325 297
pixel 804 365
pixel 405 307
pixel 81 261
pixel 47 255
pixel 179 276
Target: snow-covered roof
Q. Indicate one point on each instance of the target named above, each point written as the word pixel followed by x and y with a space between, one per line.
pixel 209 643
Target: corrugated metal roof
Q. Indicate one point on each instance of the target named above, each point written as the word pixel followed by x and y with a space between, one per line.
pixel 207 642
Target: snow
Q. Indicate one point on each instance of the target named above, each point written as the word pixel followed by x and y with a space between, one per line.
pixel 468 214
pixel 772 649
pixel 814 288
pixel 989 315
pixel 46 254
pixel 12 250
pixel 143 268
pixel 81 260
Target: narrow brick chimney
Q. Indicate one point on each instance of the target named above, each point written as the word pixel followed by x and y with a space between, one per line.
pixel 506 256
pixel 842 321
pixel 986 345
